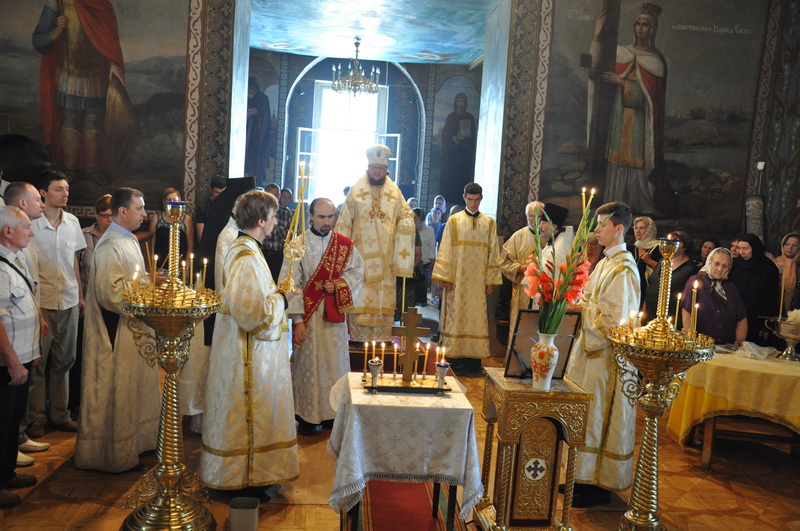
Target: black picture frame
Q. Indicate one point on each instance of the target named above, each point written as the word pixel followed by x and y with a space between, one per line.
pixel 526 330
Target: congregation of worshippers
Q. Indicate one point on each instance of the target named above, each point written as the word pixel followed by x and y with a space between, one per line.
pixel 71 362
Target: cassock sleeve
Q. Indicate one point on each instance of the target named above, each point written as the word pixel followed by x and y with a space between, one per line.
pixel 444 270
pixel 404 239
pixel 113 275
pixel 619 297
pixel 510 259
pixel 344 224
pixel 254 302
pixel 354 273
pixel 493 275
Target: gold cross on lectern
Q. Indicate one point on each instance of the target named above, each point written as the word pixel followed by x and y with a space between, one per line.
pixel 409 334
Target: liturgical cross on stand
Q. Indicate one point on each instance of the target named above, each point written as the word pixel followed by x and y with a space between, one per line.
pixel 409 334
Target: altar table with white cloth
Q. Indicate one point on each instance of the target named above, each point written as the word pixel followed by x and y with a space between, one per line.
pixel 732 385
pixel 402 437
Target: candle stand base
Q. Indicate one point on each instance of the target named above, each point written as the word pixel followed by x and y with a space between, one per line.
pixel 427 386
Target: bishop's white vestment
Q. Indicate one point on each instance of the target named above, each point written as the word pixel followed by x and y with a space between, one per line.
pixel 380 223
pixel 516 252
pixel 610 295
pixel 120 394
pixel 323 358
pixel 469 258
pixel 249 436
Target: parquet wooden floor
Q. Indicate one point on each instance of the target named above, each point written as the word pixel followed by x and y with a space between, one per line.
pixel 751 486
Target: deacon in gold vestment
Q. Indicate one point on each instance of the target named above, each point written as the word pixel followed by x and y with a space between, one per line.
pixel 377 218
pixel 468 266
pixel 519 248
pixel 249 437
pixel 605 463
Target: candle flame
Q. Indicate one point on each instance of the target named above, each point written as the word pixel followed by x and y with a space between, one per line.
pixel 696 284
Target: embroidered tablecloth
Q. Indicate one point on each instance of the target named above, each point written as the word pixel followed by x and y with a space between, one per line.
pixel 402 437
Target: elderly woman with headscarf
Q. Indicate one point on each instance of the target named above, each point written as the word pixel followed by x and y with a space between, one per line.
pixel 787 267
pixel 683 267
pixel 646 253
pixel 721 313
pixel 758 282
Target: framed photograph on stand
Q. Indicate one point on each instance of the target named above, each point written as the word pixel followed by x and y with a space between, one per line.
pixel 526 330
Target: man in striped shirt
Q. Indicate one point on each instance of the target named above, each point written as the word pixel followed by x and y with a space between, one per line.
pixel 19 345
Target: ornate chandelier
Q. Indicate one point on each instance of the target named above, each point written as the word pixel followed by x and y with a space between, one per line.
pixel 355 81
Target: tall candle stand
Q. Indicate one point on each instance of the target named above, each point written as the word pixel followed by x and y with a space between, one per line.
pixel 169 496
pixel 662 355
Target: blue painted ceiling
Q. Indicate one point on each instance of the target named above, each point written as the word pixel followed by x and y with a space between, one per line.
pixel 409 31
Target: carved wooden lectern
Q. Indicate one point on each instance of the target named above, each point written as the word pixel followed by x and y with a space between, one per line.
pixel 531 427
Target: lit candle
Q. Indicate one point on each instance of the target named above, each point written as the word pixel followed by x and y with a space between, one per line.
pixel 444 357
pixel 197 282
pixel 155 262
pixel 394 365
pixel 694 318
pixel 205 264
pixel 583 198
pixel 639 319
pixel 191 266
pixel 366 353
pixel 678 310
pixel 183 271
pixel 694 301
pixel 373 348
pixel 783 289
pixel 136 281
pixel 383 350
pixel 632 318
pixel 425 363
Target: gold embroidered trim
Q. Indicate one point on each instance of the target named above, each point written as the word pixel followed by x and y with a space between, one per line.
pixel 463 336
pixel 243 485
pixel 245 451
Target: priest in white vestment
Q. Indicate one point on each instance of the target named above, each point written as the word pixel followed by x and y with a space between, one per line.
pixel 517 251
pixel 468 266
pixel 330 275
pixel 605 463
pixel 378 220
pixel 120 394
pixel 249 437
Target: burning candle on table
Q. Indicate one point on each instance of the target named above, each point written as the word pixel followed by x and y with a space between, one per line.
pixel 191 266
pixel 183 271
pixel 366 353
pixel 155 263
pixel 205 264
pixel 639 319
pixel 373 348
pixel 425 363
pixel 694 318
pixel 678 310
pixel 383 350
pixel 136 281
pixel 583 199
pixel 632 318
pixel 694 302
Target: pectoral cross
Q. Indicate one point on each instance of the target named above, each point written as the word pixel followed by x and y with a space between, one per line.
pixel 409 334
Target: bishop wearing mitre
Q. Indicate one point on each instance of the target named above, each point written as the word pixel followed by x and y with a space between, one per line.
pixel 377 218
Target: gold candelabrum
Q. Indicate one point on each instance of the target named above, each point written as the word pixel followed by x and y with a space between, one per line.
pixel 169 496
pixel 661 354
pixel 294 247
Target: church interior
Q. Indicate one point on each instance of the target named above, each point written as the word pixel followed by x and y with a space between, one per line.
pixel 239 88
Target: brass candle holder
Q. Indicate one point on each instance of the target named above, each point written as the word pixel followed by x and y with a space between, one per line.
pixel 661 355
pixel 169 496
pixel 294 247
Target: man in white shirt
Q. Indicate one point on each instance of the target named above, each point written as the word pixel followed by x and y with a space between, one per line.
pixel 19 345
pixel 58 239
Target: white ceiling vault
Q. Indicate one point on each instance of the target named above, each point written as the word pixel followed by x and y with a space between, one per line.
pixel 409 31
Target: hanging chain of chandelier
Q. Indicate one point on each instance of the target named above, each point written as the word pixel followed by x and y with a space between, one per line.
pixel 355 81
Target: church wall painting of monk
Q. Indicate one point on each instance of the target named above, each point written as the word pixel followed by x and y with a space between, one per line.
pixel 101 83
pixel 652 103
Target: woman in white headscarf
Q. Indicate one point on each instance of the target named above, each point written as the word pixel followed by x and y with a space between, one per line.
pixel 647 254
pixel 721 313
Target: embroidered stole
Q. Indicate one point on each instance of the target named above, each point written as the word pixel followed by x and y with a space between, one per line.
pixel 331 266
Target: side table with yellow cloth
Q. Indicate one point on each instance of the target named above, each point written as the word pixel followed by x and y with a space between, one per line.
pixel 733 385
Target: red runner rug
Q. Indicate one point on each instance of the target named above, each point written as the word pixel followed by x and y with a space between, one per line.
pixel 394 506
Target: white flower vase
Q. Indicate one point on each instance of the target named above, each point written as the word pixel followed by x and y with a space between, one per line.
pixel 544 358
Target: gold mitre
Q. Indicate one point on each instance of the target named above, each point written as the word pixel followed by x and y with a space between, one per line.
pixel 379 154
